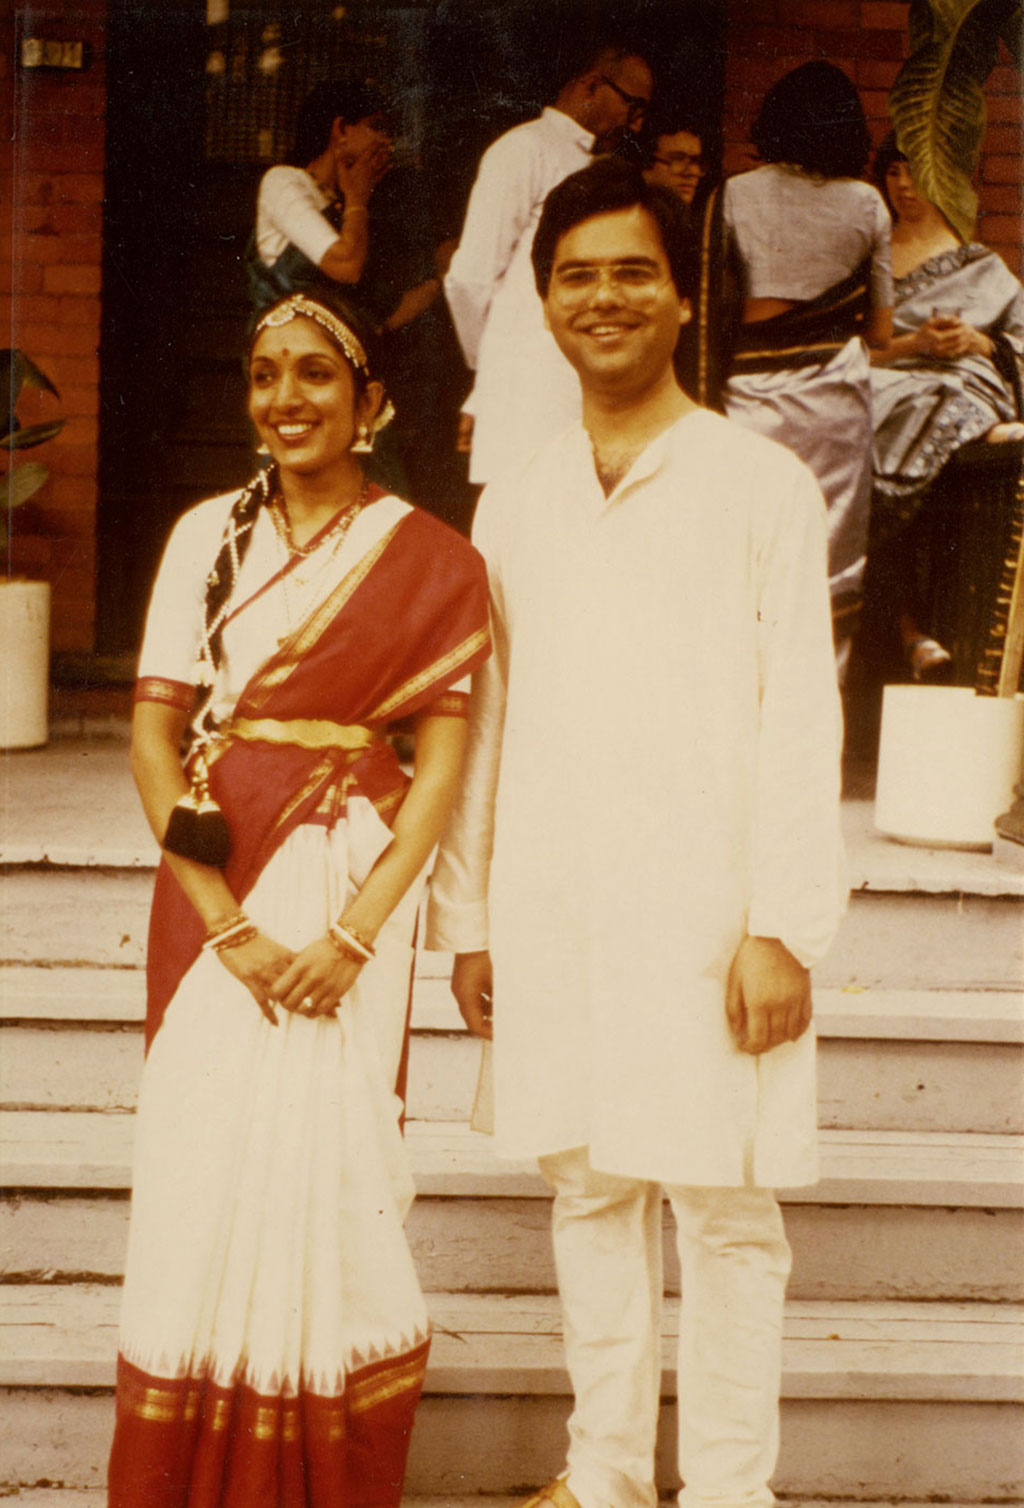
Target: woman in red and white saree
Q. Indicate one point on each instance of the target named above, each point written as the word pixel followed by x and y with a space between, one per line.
pixel 273 1337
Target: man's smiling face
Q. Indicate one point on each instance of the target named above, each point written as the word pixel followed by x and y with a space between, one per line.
pixel 612 305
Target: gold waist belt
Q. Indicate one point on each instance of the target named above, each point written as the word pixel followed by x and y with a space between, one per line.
pixel 303 732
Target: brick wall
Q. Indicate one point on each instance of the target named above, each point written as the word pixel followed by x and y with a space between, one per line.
pixel 868 39
pixel 51 183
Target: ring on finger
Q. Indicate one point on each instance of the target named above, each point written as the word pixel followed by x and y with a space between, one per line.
pixel 306 1005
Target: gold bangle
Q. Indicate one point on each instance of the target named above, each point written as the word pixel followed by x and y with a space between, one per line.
pixel 348 945
pixel 356 935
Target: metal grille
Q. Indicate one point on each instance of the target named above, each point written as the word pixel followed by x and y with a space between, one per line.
pixel 264 58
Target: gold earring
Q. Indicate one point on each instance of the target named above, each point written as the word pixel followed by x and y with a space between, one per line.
pixel 364 440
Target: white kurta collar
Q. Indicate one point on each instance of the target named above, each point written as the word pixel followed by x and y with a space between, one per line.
pixel 650 461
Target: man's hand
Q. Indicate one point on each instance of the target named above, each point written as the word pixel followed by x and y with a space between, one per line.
pixel 768 995
pixel 471 986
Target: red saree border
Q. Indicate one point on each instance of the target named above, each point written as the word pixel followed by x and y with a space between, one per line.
pixel 188 1443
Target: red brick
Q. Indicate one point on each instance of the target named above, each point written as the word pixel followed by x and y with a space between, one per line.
pixel 20 276
pixel 78 219
pixel 1003 138
pixel 59 340
pixel 79 432
pixel 838 45
pixel 753 12
pixel 997 169
pixel 1001 230
pixel 833 13
pixel 29 218
pixel 81 249
pixel 1003 80
pixel 39 250
pixel 44 157
pixel 74 371
pixel 37 309
pixel 74 492
pixel 1001 198
pixel 82 188
pixel 1004 107
pixel 872 74
pixel 71 279
pixel 883 15
pixel 81 311
pixel 760 41
pixel 72 460
pixel 876 103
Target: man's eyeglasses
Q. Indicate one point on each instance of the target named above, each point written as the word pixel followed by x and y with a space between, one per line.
pixel 638 106
pixel 682 162
pixel 632 282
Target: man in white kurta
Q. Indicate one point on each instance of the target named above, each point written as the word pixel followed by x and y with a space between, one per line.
pixel 524 389
pixel 647 843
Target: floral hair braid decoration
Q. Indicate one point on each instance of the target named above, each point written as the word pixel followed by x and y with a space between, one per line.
pixel 197 828
pixel 300 306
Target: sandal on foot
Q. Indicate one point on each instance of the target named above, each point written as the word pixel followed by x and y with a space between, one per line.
pixel 555 1493
pixel 927 659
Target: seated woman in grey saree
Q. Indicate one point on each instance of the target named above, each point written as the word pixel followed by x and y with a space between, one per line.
pixel 951 374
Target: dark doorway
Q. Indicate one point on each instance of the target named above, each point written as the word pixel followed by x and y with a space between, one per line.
pixel 202 96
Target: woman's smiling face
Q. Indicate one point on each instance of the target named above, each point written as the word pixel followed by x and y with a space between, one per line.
pixel 302 397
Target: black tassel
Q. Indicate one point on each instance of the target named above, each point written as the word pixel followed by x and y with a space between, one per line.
pixel 199 832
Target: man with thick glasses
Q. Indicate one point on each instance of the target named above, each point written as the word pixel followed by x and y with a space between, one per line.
pixel 524 390
pixel 645 859
pixel 677 159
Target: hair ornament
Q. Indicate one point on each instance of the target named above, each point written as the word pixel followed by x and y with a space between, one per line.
pixel 298 306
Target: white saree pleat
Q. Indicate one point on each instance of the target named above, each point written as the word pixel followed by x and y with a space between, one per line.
pixel 271 1181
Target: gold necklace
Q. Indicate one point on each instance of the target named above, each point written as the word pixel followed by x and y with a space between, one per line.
pixel 337 530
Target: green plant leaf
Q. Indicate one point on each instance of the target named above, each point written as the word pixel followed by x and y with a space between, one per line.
pixel 36 434
pixel 23 482
pixel 937 104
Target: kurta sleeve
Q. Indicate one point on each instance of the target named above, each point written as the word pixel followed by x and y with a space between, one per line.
pixel 457 915
pixel 798 890
pixel 499 211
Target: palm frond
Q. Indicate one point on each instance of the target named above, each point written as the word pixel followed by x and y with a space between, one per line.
pixel 937 103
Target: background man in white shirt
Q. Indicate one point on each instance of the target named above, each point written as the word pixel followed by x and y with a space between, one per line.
pixel 647 847
pixel 524 390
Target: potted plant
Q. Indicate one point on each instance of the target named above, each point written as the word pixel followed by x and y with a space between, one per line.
pixel 24 605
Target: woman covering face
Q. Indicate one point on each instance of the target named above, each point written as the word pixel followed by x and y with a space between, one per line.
pixel 274 1338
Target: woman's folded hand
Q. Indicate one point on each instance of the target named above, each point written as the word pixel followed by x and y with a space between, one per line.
pixel 316 979
pixel 259 964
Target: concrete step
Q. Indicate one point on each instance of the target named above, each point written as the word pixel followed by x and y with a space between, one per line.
pixel 927 1216
pixel 869 1082
pixel 98 995
pixel 940 1383
pixel 85 1497
pixel 98 915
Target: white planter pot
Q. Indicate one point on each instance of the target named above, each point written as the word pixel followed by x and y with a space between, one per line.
pixel 24 663
pixel 947 764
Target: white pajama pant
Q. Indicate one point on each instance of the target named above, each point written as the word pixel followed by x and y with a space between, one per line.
pixel 735 1261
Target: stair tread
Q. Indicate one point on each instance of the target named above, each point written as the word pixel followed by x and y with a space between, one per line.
pixel 69 994
pixel 96 1497
pixel 63 1149
pixel 73 803
pixel 66 1336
